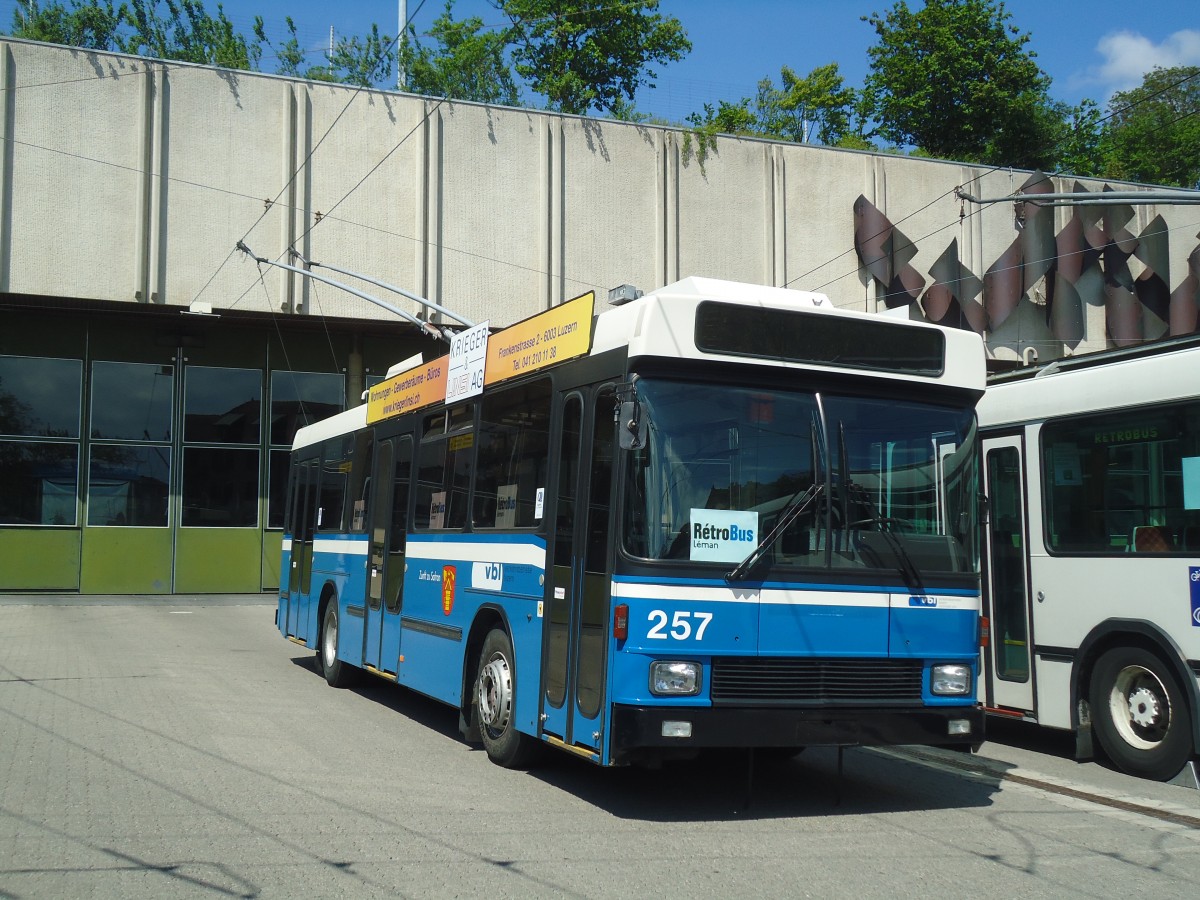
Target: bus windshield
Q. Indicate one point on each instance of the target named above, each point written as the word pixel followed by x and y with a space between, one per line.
pixel 827 480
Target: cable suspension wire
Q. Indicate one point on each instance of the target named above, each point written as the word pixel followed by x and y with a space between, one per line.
pixel 416 298
pixel 444 334
pixel 1090 198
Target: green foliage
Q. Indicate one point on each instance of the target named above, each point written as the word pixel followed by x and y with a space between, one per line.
pixel 468 62
pixel 954 79
pixel 815 108
pixel 360 61
pixel 1153 134
pixel 185 31
pixel 164 29
pixel 584 55
pixel 91 24
pixel 1080 144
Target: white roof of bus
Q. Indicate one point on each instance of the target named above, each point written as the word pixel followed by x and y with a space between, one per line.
pixel 662 323
pixel 340 423
pixel 1058 390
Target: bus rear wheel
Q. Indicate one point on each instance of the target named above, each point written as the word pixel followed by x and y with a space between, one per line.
pixel 495 700
pixel 1140 714
pixel 336 672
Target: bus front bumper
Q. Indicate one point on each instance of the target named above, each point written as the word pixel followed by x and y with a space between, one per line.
pixel 638 728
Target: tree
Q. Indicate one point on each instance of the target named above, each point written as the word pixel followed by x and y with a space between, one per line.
pixel 1080 143
pixel 590 54
pixel 955 80
pixel 187 32
pixel 1153 134
pixel 164 29
pixel 91 24
pixel 812 109
pixel 361 61
pixel 468 63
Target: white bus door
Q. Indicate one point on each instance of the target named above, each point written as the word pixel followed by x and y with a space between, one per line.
pixel 385 565
pixel 304 502
pixel 1010 670
pixel 578 593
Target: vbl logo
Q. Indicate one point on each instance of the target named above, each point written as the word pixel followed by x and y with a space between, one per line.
pixel 487 576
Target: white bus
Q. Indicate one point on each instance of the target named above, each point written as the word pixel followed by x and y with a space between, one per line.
pixel 1092 586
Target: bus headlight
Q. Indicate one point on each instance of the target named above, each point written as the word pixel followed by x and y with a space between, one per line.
pixel 674 678
pixel 950 679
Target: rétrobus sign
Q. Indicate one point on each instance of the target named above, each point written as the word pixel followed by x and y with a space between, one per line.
pixel 477 359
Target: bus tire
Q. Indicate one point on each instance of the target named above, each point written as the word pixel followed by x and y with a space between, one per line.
pixel 495 702
pixel 336 672
pixel 1140 714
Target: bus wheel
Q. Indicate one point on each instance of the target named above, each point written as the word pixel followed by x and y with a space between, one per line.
pixel 337 673
pixel 495 701
pixel 1140 714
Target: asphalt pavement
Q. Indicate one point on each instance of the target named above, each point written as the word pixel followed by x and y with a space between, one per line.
pixel 1014 751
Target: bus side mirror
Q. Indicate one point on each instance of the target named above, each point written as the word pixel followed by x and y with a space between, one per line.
pixel 631 426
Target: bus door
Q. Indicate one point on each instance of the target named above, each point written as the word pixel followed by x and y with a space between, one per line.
pixel 1009 650
pixel 578 588
pixel 304 502
pixel 385 565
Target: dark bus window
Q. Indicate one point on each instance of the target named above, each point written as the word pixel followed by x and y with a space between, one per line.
pixel 335 474
pixel 1124 482
pixel 514 434
pixel 443 478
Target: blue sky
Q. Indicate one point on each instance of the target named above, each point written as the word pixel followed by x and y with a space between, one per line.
pixel 1089 47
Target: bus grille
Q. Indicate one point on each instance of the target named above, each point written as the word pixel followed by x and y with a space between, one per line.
pixel 770 681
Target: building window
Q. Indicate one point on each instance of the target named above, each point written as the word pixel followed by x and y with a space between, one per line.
pixel 39 483
pixel 40 405
pixel 301 398
pixel 220 483
pixel 222 406
pixel 131 401
pixel 277 481
pixel 128 485
pixel 297 399
pixel 220 487
pixel 40 397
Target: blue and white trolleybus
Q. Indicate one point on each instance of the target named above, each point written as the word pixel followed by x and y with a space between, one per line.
pixel 717 515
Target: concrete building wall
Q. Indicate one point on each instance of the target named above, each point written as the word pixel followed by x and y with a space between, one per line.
pixel 131 180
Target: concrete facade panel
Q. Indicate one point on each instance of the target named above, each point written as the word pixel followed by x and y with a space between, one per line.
pixel 130 180
pixel 612 209
pixel 73 178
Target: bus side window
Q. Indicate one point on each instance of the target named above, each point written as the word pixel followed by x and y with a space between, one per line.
pixel 514 438
pixel 444 473
pixel 335 470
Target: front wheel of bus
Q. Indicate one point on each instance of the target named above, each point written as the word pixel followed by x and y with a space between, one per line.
pixel 495 700
pixel 1140 714
pixel 336 672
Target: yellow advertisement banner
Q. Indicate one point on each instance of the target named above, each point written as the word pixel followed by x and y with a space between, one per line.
pixel 556 335
pixel 549 338
pixel 420 386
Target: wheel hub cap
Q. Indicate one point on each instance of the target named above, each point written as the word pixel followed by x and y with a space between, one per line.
pixel 495 694
pixel 1143 708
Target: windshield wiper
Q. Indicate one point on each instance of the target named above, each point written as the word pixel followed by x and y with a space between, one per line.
pixel 790 512
pixel 905 565
pixel 852 491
